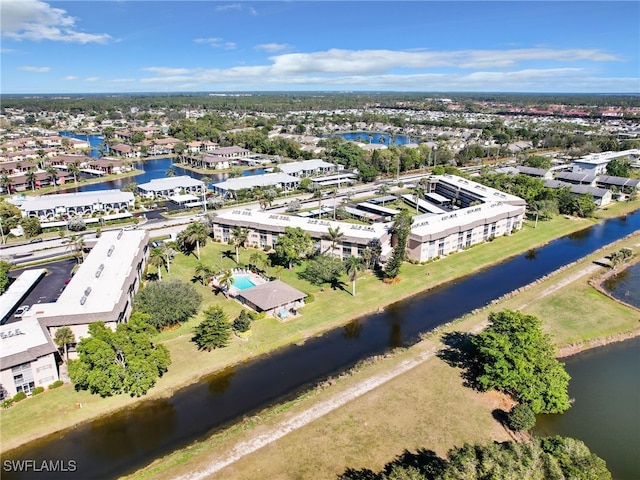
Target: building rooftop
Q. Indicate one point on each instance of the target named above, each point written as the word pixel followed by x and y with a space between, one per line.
pixel 170 183
pixel 313 164
pixel 22 342
pixel 97 285
pixel 272 295
pixel 252 181
pixel 75 199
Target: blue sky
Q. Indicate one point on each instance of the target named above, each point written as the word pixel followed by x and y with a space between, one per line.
pixel 219 46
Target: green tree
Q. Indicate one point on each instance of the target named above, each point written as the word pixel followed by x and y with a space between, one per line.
pixel 619 167
pixel 352 266
pixel 63 337
pixel 239 236
pixel 121 361
pixel 31 179
pixel 30 226
pixel 158 260
pixel 194 235
pixel 225 280
pixel 516 357
pixel 323 269
pixel 292 246
pixel 333 235
pixel 203 272
pixel 6 182
pixel 4 276
pixel 400 232
pixel 242 323
pixel 214 331
pixel 75 170
pixel 521 418
pixel 168 303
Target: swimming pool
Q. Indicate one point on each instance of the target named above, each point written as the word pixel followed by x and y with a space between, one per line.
pixel 242 282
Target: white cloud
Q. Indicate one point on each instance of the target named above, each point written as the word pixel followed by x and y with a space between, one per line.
pixel 70 77
pixel 273 47
pixel 37 20
pixel 92 79
pixel 216 42
pixel 6 51
pixel 229 6
pixel 28 68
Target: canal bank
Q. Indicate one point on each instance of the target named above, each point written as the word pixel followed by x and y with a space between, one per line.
pixel 400 325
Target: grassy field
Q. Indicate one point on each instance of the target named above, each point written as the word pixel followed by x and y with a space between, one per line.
pixel 61 409
pixel 426 408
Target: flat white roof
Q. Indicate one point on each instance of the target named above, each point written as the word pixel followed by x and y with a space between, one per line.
pixel 251 181
pixel 605 157
pixel 113 258
pixel 429 224
pixel 77 199
pixel 315 227
pixel 183 198
pixel 29 335
pixel 488 194
pixel 18 289
pixel 170 183
pixel 305 165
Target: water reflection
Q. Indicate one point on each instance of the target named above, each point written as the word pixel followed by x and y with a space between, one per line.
pixel 352 330
pixel 625 285
pixel 221 381
pixel 531 254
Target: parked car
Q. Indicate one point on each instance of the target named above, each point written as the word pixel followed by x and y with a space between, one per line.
pixel 35 240
pixel 21 311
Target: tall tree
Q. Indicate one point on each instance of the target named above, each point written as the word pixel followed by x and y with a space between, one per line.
pixel 75 170
pixel 400 231
pixel 333 235
pixel 214 331
pixel 239 236
pixel 121 361
pixel 225 280
pixel 353 265
pixel 31 179
pixel 168 303
pixel 196 234
pixel 203 272
pixel 157 259
pixel 292 246
pixel 63 337
pixel 517 358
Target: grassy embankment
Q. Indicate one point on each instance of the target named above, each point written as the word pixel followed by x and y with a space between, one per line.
pixel 63 408
pixel 397 416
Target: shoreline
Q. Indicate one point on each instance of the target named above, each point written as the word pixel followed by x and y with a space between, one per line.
pixel 168 391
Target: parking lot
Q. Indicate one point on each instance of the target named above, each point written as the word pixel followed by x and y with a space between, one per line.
pixel 48 289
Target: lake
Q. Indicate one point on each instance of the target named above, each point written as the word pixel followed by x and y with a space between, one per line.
pixel 625 285
pixel 376 138
pixel 605 383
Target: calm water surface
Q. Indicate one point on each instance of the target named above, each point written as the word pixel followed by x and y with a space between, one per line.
pixel 128 440
pixel 605 383
pixel 625 286
pixel 376 138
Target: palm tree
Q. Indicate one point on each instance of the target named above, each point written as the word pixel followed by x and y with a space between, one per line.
pixel 53 176
pixel 239 235
pixel 63 337
pixel 418 193
pixel 158 260
pixel 353 265
pixel 203 271
pixel 334 236
pixel 225 281
pixel 76 244
pixel 171 171
pixel 196 233
pixel 367 255
pixel 6 182
pixel 31 179
pixel 74 169
pixel 256 259
pixel 169 253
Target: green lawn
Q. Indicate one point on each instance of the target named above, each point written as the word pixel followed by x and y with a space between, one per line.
pixel 331 309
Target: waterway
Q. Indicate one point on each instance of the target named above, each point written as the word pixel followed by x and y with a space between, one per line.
pixel 130 439
pixel 376 138
pixel 625 286
pixel 605 383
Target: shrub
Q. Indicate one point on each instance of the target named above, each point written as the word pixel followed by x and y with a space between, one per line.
pixel 7 403
pixel 37 391
pixel 76 224
pixel 56 384
pixel 309 298
pixel 19 397
pixel 521 418
pixel 243 322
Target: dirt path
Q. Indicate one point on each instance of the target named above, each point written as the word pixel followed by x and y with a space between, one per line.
pixel 307 416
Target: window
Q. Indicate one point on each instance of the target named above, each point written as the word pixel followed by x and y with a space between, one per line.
pixel 44 367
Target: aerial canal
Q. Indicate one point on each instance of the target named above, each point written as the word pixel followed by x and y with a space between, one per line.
pixel 130 439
